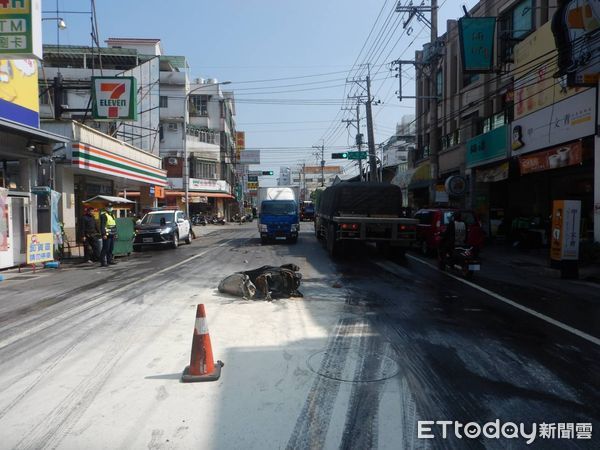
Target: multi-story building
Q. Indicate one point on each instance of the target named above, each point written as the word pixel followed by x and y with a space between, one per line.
pixel 163 86
pixel 498 131
pixel 309 178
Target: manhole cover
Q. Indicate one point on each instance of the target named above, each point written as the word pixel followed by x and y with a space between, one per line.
pixel 352 366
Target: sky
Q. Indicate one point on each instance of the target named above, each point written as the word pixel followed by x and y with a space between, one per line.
pixel 288 61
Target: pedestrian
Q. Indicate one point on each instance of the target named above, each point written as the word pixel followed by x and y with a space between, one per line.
pixel 90 234
pixel 454 236
pixel 108 230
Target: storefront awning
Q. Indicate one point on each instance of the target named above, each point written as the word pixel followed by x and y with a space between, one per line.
pixel 108 199
pixel 421 178
pixel 35 134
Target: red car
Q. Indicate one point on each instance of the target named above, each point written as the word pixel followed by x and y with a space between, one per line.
pixel 433 222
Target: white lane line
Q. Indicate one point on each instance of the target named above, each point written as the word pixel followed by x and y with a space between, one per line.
pixel 550 320
pixel 44 324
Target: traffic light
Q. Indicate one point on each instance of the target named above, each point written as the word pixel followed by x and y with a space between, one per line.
pixel 343 155
pixel 267 172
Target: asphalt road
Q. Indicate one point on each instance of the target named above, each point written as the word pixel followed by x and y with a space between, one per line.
pixel 91 358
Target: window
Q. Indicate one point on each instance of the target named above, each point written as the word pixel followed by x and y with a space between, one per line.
pixel 206 170
pixel 198 105
pixel 515 24
pixel 163 101
pixel 439 84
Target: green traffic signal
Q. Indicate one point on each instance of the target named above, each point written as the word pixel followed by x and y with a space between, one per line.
pixel 343 155
pixel 267 172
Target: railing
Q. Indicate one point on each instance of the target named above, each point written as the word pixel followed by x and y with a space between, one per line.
pixel 206 136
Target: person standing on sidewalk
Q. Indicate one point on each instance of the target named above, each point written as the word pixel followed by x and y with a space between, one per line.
pixel 108 230
pixel 90 233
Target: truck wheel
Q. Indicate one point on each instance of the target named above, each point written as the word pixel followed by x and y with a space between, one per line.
pixel 264 240
pixel 293 240
pixel 188 239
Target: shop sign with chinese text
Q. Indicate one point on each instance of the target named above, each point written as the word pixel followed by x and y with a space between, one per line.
pixel 21 29
pixel 40 248
pixel 555 158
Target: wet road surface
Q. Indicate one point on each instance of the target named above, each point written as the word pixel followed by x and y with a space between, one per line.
pixel 92 358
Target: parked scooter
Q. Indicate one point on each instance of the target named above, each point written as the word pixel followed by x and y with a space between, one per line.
pixel 218 220
pixel 463 261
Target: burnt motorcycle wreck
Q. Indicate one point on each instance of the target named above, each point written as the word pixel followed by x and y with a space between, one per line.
pixel 266 282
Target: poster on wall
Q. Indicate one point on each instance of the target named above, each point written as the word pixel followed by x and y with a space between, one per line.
pixel 56 228
pixel 19 100
pixel 3 220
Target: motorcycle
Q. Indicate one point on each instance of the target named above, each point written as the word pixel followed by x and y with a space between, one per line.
pixel 463 260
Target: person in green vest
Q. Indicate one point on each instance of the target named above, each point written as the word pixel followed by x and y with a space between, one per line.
pixel 108 230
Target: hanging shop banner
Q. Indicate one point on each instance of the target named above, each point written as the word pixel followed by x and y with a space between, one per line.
pixel 56 225
pixel 568 120
pixel 536 63
pixel 40 248
pixel 566 219
pixel 576 29
pixel 240 143
pixel 3 220
pixel 476 36
pixel 249 157
pixel 492 174
pixel 21 29
pixel 488 147
pixel 555 158
pixel 114 98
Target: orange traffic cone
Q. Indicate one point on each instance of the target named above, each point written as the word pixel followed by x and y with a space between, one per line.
pixel 202 366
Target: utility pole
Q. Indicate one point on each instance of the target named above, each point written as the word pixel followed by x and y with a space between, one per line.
pixel 322 148
pixel 433 108
pixel 418 12
pixel 359 140
pixel 370 133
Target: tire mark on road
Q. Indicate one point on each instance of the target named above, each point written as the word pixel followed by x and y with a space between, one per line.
pixel 361 430
pixel 313 422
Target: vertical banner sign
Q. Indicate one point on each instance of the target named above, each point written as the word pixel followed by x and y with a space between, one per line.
pixel 114 98
pixel 3 220
pixel 56 228
pixel 21 29
pixel 39 248
pixel 476 35
pixel 566 219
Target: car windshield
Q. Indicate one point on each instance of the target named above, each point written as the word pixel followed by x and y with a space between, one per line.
pixel 467 216
pixel 279 208
pixel 156 218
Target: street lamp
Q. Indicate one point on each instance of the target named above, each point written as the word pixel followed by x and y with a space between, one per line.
pixel 186 171
pixel 61 23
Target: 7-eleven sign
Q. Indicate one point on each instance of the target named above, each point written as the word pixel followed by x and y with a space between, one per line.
pixel 114 98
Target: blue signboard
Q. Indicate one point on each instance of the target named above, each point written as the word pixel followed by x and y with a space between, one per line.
pixel 488 147
pixel 477 43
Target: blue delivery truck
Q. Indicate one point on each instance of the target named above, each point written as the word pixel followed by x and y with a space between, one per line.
pixel 278 214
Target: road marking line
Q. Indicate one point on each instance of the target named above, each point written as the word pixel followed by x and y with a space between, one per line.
pixel 565 327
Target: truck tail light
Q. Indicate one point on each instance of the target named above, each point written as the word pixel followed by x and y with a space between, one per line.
pixel 349 226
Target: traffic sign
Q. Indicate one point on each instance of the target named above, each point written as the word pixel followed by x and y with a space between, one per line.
pixel 253 178
pixel 343 155
pixel 252 185
pixel 357 155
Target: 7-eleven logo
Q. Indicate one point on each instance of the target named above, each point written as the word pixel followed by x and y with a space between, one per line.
pixel 115 91
pixel 114 98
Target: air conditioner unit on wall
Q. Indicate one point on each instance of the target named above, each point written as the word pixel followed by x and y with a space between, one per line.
pixel 172 126
pixel 172 161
